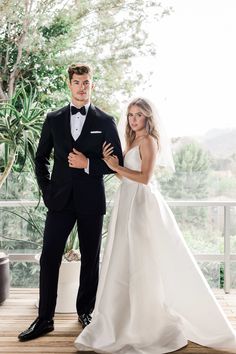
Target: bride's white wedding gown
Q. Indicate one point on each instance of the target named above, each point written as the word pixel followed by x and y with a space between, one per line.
pixel 152 297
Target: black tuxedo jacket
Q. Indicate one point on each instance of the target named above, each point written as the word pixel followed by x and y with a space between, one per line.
pixel 64 181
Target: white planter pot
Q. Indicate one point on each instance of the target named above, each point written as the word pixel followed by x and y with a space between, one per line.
pixel 4 277
pixel 68 285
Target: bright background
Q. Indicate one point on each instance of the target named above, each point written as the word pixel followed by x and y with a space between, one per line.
pixel 195 69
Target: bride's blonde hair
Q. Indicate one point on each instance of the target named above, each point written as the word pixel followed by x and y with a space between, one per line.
pixel 150 121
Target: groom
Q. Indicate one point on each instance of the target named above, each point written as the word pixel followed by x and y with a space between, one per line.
pixel 73 193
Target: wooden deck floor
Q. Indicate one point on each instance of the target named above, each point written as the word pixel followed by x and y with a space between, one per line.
pixel 19 311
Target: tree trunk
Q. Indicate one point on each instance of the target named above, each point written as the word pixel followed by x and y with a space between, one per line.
pixel 8 168
pixel 3 96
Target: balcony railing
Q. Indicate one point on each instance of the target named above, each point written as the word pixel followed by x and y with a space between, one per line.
pixel 227 257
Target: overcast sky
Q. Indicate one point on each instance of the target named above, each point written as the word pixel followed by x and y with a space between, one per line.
pixel 195 69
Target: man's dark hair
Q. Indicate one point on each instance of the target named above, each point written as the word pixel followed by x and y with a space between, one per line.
pixel 79 69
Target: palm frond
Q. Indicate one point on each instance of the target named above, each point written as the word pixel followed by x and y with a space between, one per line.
pixel 20 125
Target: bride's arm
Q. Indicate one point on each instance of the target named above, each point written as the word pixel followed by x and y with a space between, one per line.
pixel 148 151
pixel 118 175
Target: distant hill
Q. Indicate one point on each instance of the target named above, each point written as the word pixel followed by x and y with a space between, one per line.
pixel 220 142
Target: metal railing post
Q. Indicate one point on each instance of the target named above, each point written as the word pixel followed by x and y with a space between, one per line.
pixel 227 249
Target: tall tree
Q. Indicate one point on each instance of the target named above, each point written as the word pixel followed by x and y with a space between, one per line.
pixel 192 169
pixel 190 182
pixel 39 38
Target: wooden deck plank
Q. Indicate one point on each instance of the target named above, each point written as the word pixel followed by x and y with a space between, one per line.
pixel 19 311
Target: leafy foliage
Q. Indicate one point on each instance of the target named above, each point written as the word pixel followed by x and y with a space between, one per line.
pixel 20 127
pixel 192 165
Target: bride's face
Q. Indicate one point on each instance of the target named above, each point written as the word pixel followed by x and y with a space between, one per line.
pixel 136 118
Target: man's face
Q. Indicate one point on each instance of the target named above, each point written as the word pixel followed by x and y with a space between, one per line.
pixel 81 87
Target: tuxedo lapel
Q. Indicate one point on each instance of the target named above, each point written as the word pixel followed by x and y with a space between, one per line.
pixel 68 136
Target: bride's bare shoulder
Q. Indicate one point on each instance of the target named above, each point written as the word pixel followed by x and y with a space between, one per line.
pixel 149 142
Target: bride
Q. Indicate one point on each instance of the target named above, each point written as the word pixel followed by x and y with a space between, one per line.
pixel 152 297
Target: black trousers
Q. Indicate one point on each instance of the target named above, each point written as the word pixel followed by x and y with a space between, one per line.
pixel 57 229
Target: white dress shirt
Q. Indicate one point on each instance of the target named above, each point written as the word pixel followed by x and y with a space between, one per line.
pixel 76 125
pixel 77 122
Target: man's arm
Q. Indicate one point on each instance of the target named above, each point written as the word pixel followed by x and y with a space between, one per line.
pixel 42 156
pixel 96 165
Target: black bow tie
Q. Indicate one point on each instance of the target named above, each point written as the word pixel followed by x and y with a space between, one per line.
pixel 75 110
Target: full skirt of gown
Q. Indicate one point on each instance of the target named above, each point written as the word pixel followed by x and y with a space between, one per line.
pixel 152 296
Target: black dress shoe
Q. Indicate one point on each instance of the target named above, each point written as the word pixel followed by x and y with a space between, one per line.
pixel 84 319
pixel 37 329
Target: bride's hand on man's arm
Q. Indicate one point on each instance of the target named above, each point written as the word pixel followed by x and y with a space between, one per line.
pixel 111 160
pixel 107 149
